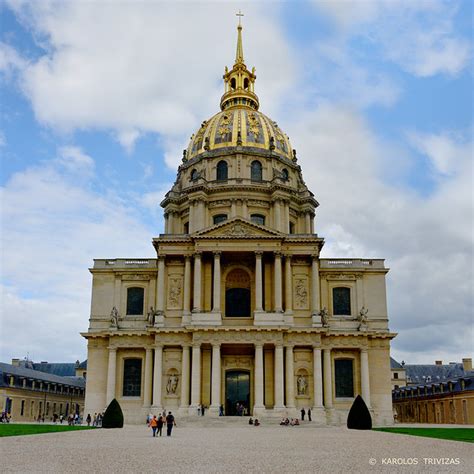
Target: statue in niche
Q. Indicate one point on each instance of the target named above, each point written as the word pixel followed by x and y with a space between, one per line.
pixel 301 293
pixel 362 317
pixel 174 296
pixel 302 385
pixel 172 384
pixel 114 317
pixel 324 317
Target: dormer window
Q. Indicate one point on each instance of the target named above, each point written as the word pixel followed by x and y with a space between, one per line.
pixel 217 219
pixel 257 219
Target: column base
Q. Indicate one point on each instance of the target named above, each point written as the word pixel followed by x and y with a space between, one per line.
pixel 186 319
pixel 193 410
pixel 318 415
pixel 213 411
pixel 155 409
pixel 159 320
pixel 331 418
pixel 183 411
pixel 289 318
pixel 316 318
pixel 258 410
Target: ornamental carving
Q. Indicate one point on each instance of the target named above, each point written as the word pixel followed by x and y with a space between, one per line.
pixel 238 229
pixel 172 385
pixel 342 276
pixel 301 293
pixel 175 290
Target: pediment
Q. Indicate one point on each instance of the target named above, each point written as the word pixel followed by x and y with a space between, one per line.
pixel 237 228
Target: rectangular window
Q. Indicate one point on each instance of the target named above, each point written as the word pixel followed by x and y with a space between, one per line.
pixel 341 301
pixel 135 298
pixel 344 378
pixel 132 377
pixel 22 412
pixel 395 375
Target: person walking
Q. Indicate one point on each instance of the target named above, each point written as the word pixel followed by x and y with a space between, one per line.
pixel 161 420
pixel 169 423
pixel 309 414
pixel 153 425
pixel 303 413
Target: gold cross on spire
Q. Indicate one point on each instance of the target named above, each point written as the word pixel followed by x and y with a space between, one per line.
pixel 240 15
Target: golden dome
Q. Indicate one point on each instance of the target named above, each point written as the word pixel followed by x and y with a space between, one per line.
pixel 240 124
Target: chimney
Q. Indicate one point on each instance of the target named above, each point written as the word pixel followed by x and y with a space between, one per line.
pixel 16 362
pixel 467 364
pixel 438 362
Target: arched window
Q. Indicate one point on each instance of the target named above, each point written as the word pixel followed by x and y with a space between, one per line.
pixel 222 171
pixel 132 377
pixel 194 175
pixel 135 298
pixel 246 83
pixel 256 171
pixel 341 301
pixel 284 174
pixel 186 227
pixel 344 375
pixel 258 219
pixel 292 227
pixel 232 83
pixel 217 219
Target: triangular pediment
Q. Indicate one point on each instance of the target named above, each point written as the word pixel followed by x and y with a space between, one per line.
pixel 237 228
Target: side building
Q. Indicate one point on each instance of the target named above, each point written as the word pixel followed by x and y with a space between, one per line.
pixel 28 394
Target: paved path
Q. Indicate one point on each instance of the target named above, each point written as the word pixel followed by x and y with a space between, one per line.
pixel 230 448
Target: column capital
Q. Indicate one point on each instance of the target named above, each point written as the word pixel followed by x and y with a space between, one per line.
pixel 314 256
pixel 197 254
pixel 161 258
pixel 196 345
pixel 317 347
pixel 217 253
pixel 216 344
pixel 289 345
pixel 258 253
pixel 277 254
pixel 112 348
pixel 186 345
pixel 287 256
pixel 258 344
pixel 364 349
pixel 187 257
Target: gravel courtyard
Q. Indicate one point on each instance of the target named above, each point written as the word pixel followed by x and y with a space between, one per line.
pixel 231 447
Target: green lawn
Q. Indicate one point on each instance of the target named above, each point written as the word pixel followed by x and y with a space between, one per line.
pixel 454 434
pixel 13 429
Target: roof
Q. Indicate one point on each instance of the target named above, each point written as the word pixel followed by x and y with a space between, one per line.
pixel 39 375
pixel 421 373
pixel 63 369
pixel 461 384
pixel 395 365
pixel 82 365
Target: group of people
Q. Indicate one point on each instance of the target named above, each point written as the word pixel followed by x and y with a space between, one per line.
pixel 156 423
pixel 201 410
pixel 241 409
pixel 96 420
pixel 5 417
pixel 289 422
pixel 253 422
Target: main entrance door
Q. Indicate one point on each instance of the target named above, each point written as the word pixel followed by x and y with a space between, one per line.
pixel 237 392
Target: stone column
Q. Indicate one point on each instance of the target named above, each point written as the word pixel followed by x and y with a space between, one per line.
pixel 311 223
pixel 278 287
pixel 288 286
pixel 315 304
pixel 160 285
pixel 290 378
pixel 197 282
pixel 286 217
pixel 258 378
pixel 276 214
pixel 157 376
pixel 171 223
pixel 111 375
pixel 307 221
pixel 184 403
pixel 364 376
pixel 258 282
pixel 201 216
pixel 196 379
pixel 191 217
pixel 166 223
pixel 245 211
pixel 327 379
pixel 217 283
pixel 148 377
pixel 279 386
pixel 216 378
pixel 317 378
pixel 187 285
pixel 233 208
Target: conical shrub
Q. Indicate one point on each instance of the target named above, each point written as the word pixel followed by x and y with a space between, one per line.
pixel 359 416
pixel 113 416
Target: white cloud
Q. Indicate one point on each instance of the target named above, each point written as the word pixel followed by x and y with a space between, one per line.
pixel 113 66
pixel 417 35
pixel 53 226
pixel 427 241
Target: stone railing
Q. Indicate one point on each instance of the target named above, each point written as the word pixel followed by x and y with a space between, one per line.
pixel 125 263
pixel 351 263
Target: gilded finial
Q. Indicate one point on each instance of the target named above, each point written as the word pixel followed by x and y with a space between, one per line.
pixel 239 56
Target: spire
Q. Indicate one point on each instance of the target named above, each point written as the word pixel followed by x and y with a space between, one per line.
pixel 239 56
pixel 239 82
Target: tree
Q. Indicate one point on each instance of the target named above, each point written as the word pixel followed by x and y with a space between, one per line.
pixel 359 416
pixel 113 416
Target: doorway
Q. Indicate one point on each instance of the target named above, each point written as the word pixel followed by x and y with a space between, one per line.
pixel 237 392
pixel 237 294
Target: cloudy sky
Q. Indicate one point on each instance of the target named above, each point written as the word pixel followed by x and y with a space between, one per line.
pixel 98 99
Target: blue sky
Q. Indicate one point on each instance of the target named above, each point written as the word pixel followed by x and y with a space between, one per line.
pixel 98 99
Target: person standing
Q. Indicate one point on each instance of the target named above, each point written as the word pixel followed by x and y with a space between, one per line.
pixel 88 419
pixel 161 420
pixel 303 413
pixel 169 423
pixel 309 414
pixel 153 425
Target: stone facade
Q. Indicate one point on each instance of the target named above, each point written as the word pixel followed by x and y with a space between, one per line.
pixel 238 306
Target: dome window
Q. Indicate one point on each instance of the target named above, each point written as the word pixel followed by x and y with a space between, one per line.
pixel 233 83
pixel 222 171
pixel 256 171
pixel 246 83
pixel 217 219
pixel 258 219
pixel 284 174
pixel 194 175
